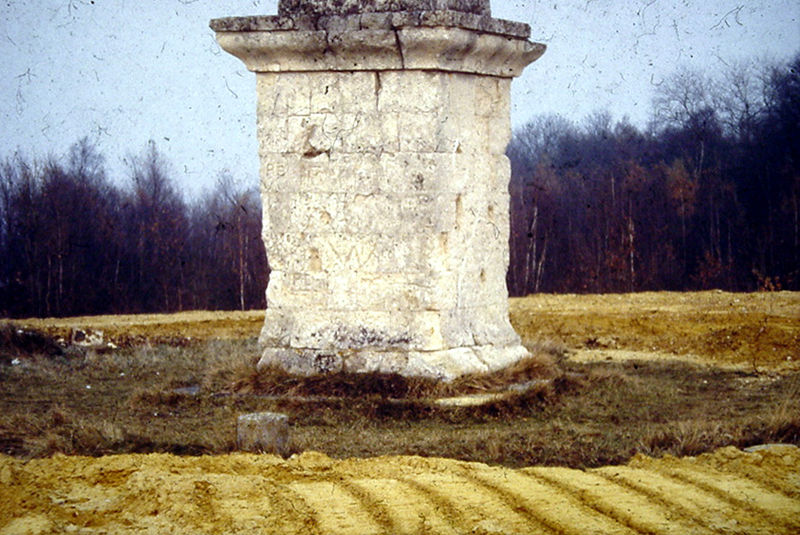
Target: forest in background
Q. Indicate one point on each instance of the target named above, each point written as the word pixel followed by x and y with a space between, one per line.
pixel 73 243
pixel 706 196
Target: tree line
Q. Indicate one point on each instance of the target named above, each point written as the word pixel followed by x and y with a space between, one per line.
pixel 706 196
pixel 72 243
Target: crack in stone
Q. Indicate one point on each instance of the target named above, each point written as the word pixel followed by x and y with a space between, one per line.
pixel 399 44
pixel 378 89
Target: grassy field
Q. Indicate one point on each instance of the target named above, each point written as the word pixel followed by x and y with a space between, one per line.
pixel 619 375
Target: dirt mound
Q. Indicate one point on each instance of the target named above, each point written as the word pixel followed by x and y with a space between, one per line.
pixel 15 342
pixel 729 491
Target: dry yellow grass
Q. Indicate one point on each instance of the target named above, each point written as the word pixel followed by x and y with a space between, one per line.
pixel 751 329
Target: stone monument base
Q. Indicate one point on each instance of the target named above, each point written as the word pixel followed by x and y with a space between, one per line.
pixel 382 128
pixel 444 364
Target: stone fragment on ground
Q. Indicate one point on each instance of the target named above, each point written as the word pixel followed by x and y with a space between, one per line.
pixel 263 432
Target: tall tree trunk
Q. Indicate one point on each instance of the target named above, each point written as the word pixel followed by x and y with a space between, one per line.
pixel 631 246
pixel 540 267
pixel 241 261
pixel 796 247
pixel 531 260
pixel 48 284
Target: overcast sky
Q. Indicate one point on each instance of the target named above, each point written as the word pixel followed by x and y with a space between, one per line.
pixel 125 71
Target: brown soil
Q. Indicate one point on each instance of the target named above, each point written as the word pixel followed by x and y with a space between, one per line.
pixel 728 491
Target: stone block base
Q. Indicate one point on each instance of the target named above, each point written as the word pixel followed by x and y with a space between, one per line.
pixel 445 364
pixel 263 432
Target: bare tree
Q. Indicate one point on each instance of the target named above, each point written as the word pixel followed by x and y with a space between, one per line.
pixel 741 98
pixel 158 227
pixel 682 98
pixel 242 206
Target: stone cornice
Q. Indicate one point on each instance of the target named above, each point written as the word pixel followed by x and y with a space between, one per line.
pixel 266 44
pixel 373 21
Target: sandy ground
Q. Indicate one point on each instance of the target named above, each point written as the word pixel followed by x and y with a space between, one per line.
pixel 155 328
pixel 728 491
pixel 750 330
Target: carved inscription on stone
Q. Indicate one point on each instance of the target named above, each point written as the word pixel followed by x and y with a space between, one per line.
pixel 384 182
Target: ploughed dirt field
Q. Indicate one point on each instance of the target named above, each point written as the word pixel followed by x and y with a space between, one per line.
pixel 725 492
pixel 621 382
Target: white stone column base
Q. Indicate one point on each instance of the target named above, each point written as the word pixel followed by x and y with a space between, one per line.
pixel 382 130
pixel 444 364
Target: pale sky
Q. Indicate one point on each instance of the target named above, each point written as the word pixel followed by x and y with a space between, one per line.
pixel 125 71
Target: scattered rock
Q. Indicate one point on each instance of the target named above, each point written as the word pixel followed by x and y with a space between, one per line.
pixel 263 432
pixel 763 447
pixel 87 338
pixel 474 400
pixel 190 390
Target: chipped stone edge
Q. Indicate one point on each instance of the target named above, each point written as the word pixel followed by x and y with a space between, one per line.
pixel 349 7
pixel 373 21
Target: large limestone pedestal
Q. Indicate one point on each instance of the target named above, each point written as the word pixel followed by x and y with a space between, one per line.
pixel 384 182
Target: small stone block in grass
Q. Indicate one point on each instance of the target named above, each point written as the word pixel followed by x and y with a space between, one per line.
pixel 263 432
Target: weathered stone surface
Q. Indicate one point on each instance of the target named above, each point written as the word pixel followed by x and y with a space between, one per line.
pixel 337 24
pixel 263 432
pixel 384 185
pixel 452 49
pixel 348 7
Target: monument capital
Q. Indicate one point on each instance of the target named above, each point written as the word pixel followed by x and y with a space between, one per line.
pixel 446 35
